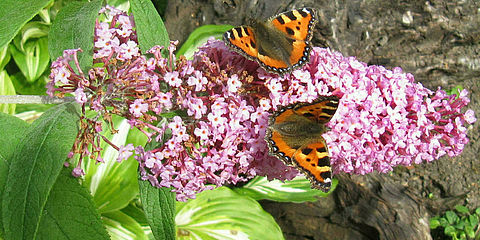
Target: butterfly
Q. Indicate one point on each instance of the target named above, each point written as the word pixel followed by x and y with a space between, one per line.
pixel 294 135
pixel 279 45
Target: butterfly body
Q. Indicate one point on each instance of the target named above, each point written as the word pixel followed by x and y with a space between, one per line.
pixel 294 135
pixel 280 44
pixel 271 42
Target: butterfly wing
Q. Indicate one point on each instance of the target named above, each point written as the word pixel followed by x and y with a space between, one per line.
pixel 321 110
pixel 278 144
pixel 299 56
pixel 294 135
pixel 313 160
pixel 272 64
pixel 242 40
pixel 297 24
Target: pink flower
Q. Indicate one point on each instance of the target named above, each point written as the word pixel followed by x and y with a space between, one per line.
pixel 172 79
pixel 138 108
pixel 469 116
pixel 80 96
pixel 61 75
pixel 125 152
pixel 78 172
pixel 197 80
pixel 202 132
pixel 233 83
pixel 128 50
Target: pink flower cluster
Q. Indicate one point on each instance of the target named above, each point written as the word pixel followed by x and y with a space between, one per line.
pixel 113 86
pixel 220 139
pixel 221 104
pixel 384 118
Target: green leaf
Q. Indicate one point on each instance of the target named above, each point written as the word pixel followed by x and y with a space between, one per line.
pixel 224 214
pixel 443 222
pixel 470 232
pixel 15 14
pixel 31 31
pixel 12 129
pixel 473 220
pixel 74 28
pixel 6 88
pixel 461 209
pixel 455 90
pixel 35 167
pixel 4 57
pixel 150 28
pixel 297 190
pixel 434 223
pixel 113 184
pixel 70 212
pixel 159 207
pixel 199 37
pixel 23 87
pixel 451 217
pixel 34 60
pixel 121 226
pixel 450 231
pixel 460 225
pixel 136 213
pixel 477 211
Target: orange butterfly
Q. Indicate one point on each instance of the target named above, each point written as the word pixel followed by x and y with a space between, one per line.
pixel 294 135
pixel 280 45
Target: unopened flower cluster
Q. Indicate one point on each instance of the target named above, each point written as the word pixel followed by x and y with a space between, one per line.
pixel 222 103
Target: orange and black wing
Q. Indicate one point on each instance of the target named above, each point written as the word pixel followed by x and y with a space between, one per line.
pixel 297 24
pixel 313 160
pixel 278 145
pixel 321 110
pixel 242 40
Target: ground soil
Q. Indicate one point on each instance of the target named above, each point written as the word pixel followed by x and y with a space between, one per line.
pixel 439 42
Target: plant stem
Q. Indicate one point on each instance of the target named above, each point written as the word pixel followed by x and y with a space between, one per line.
pixel 25 99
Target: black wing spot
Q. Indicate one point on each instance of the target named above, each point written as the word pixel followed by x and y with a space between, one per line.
pixel 253 45
pixel 329 111
pixel 313 164
pixel 229 35
pixel 308 115
pixel 303 13
pixel 291 16
pixel 307 151
pixel 332 104
pixel 326 175
pixel 325 161
pixel 289 31
pixel 239 31
pixel 321 149
pixel 280 20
